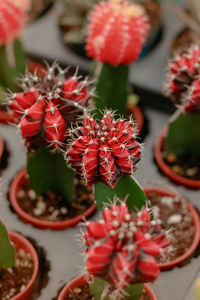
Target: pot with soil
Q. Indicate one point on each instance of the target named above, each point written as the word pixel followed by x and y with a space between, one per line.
pixel 78 289
pixel 173 211
pixel 73 24
pixel 177 149
pixel 51 197
pixel 18 265
pixel 190 35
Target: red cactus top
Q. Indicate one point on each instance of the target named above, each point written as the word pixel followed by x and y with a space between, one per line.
pixel 12 20
pixel 48 106
pixel 183 80
pixel 117 31
pixel 123 248
pixel 104 151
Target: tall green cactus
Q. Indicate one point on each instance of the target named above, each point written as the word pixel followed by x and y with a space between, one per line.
pixel 7 252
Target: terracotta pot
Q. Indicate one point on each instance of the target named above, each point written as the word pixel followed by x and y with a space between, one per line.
pixel 7 117
pixel 196 223
pixel 21 242
pixel 137 115
pixel 190 183
pixel 17 183
pixel 80 281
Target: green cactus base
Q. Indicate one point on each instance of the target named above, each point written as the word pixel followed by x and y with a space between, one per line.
pixel 112 89
pixel 48 171
pixel 98 285
pixel 126 186
pixel 9 72
pixel 7 251
pixel 183 137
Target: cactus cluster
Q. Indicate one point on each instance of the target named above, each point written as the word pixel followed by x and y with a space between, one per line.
pixel 12 20
pixel 183 84
pixel 48 105
pixel 123 248
pixel 117 31
pixel 103 151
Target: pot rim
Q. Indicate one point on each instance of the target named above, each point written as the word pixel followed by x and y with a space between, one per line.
pixel 80 280
pixel 138 116
pixel 14 236
pixel 59 225
pixel 190 183
pixel 196 223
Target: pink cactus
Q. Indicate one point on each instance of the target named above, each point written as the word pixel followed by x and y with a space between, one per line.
pixel 12 20
pixel 104 151
pixel 183 80
pixel 48 106
pixel 123 248
pixel 117 32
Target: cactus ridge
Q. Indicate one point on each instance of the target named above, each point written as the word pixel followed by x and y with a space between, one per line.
pixel 49 105
pixel 104 150
pixel 123 248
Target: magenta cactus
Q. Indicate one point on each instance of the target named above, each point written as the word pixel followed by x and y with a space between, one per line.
pixel 104 151
pixel 182 83
pixel 117 31
pixel 123 249
pixel 183 86
pixel 45 110
pixel 48 106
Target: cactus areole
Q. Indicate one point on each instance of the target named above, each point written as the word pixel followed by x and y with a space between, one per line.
pixel 45 110
pixel 183 86
pixel 122 249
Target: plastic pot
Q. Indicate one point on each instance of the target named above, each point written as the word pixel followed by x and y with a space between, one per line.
pixel 196 222
pixel 7 117
pixel 190 183
pixel 1 148
pixel 80 281
pixel 17 183
pixel 21 242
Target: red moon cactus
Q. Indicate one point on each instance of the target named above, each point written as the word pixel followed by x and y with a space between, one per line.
pixel 104 151
pixel 117 31
pixel 122 248
pixel 12 20
pixel 48 106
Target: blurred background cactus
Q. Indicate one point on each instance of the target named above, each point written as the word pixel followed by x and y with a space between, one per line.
pixel 74 20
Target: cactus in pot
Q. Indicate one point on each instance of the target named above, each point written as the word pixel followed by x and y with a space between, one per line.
pixel 116 34
pixel 183 87
pixel 12 57
pixel 45 110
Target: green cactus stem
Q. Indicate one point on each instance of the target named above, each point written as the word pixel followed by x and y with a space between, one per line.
pixel 183 137
pixel 97 286
pixel 112 89
pixel 13 63
pixel 7 251
pixel 126 186
pixel 48 172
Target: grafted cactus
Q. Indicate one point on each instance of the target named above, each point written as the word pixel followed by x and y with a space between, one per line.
pixel 45 110
pixel 117 31
pixel 105 153
pixel 184 88
pixel 122 249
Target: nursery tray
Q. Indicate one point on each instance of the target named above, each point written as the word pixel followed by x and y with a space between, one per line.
pixel 43 39
pixel 61 247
